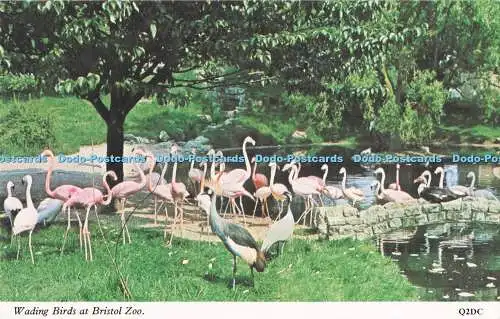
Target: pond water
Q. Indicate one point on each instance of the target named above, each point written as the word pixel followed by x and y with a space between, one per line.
pixel 448 262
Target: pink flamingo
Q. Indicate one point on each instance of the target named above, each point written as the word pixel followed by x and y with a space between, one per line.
pixel 231 191
pixel 259 180
pixel 179 194
pixel 396 186
pixel 238 174
pixel 303 187
pixel 278 190
pixel 195 174
pixel 62 192
pixel 320 182
pixel 125 189
pixel 155 181
pixel 88 197
pixel 163 192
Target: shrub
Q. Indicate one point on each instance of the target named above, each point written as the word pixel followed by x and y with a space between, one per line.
pixel 19 86
pixel 26 130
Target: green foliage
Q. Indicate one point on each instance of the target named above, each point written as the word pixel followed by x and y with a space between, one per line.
pixel 416 121
pixel 18 86
pixel 25 129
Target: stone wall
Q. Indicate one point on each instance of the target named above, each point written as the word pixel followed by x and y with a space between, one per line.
pixel 336 222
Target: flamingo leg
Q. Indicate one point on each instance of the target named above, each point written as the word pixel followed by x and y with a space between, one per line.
pixel 66 232
pixel 267 208
pixel 182 217
pixel 80 225
pixel 255 208
pixel 225 210
pixel 156 212
pixel 239 211
pixel 241 203
pixel 321 200
pixel 174 224
pixel 166 223
pixel 86 240
pixel 31 248
pixel 305 210
pixel 308 210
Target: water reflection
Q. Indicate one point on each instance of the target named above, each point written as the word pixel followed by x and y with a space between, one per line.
pixel 448 261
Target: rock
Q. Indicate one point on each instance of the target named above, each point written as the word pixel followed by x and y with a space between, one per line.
pixel 299 135
pixel 163 136
pixel 132 139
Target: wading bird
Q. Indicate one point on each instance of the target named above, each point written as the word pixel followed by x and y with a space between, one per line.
pixel 281 231
pixel 154 181
pixel 195 174
pixel 431 193
pixel 179 194
pixel 303 187
pixel 391 195
pixel 62 192
pixel 259 180
pixel 237 240
pixel 26 219
pixel 125 189
pixel 352 193
pixel 484 193
pixel 164 193
pixel 456 189
pixel 278 190
pixel 88 197
pixel 11 205
pixel 396 185
pixel 48 209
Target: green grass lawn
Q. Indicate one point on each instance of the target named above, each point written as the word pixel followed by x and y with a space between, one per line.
pixel 475 134
pixel 76 123
pixel 196 271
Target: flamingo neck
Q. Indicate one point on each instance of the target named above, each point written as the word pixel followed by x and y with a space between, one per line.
pixel 293 172
pixel 49 176
pixel 397 178
pixel 9 191
pixel 192 165
pixel 382 181
pixel 441 178
pixel 247 162
pixel 473 181
pixel 273 172
pixel 163 171
pixel 254 169
pixel 344 180
pixel 142 182
pixel 29 201
pixel 377 190
pixel 150 186
pixel 202 183
pixel 428 179
pixel 108 189
pixel 325 174
pixel 174 172
pixel 298 170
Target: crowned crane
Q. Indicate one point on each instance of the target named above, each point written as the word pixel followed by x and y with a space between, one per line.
pixel 281 231
pixel 26 219
pixel 11 205
pixel 237 240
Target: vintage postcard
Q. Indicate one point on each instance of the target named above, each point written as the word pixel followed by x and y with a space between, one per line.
pixel 155 153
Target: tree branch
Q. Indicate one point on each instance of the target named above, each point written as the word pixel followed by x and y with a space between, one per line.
pixel 96 101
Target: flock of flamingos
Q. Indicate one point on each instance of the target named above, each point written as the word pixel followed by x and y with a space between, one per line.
pixel 220 183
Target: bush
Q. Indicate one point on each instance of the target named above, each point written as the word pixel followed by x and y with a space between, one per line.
pixel 417 120
pixel 25 130
pixel 22 86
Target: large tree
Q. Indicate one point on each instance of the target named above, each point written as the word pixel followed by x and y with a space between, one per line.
pixel 131 49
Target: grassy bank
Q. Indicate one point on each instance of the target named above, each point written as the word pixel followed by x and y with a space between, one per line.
pixel 197 271
pixel 76 123
pixel 474 134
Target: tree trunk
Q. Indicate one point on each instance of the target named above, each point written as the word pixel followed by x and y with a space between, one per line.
pixel 114 140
